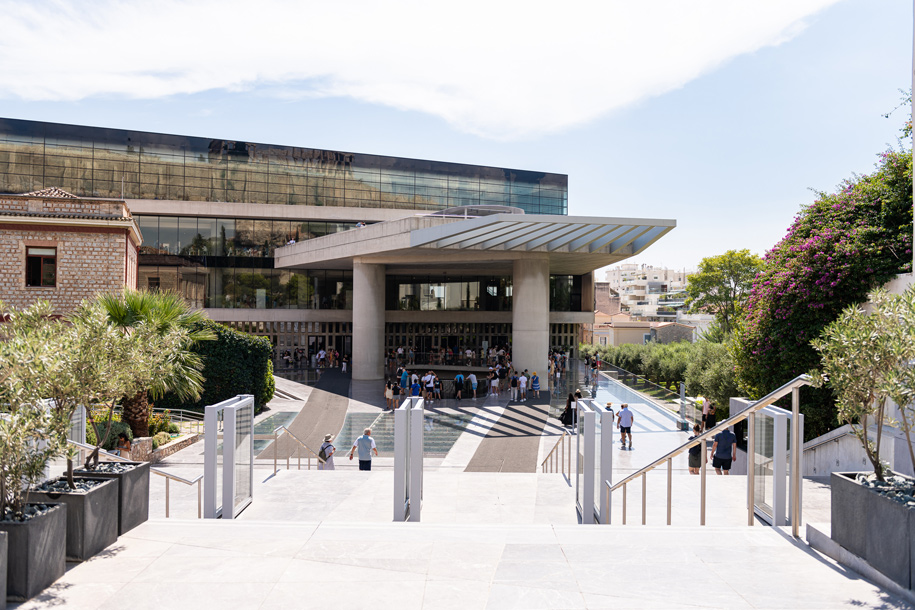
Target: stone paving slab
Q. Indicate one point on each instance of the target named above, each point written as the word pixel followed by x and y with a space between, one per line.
pixel 189 564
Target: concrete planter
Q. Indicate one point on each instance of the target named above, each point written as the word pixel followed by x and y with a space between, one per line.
pixel 36 554
pixel 92 517
pixel 133 494
pixel 879 530
pixel 4 566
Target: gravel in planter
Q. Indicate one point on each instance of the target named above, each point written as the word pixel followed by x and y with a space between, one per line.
pixel 112 467
pixel 61 486
pixel 31 511
pixel 897 488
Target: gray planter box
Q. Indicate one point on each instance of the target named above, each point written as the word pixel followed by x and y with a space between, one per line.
pixel 133 494
pixel 35 556
pixel 3 568
pixel 92 518
pixel 879 530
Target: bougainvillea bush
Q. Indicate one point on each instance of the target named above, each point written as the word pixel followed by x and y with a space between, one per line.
pixel 838 249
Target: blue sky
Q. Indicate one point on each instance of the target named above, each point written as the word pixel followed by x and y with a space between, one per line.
pixel 719 114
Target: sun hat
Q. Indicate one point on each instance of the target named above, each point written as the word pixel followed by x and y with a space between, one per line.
pixel 328 438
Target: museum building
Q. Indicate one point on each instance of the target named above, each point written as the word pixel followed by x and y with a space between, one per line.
pixel 270 239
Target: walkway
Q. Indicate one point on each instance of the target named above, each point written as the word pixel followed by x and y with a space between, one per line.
pixel 403 566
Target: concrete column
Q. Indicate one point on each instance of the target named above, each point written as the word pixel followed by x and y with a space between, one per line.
pixel 368 321
pixel 531 314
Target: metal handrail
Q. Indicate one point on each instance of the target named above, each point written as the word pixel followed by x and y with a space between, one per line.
pixel 298 453
pixel 162 473
pixel 792 386
pixel 565 462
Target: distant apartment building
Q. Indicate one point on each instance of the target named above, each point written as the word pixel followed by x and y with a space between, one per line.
pixel 648 293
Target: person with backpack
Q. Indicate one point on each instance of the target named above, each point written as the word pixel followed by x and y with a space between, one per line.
pixel 458 385
pixel 326 453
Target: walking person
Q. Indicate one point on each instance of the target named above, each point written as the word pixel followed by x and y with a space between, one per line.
pixel 695 453
pixel 624 421
pixel 724 451
pixel 389 395
pixel 326 453
pixel 493 384
pixel 522 386
pixel 366 446
pixel 513 384
pixel 535 386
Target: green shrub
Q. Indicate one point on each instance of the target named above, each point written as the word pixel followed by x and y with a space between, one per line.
pixel 174 429
pixel 159 422
pixel 235 363
pixel 161 439
pixel 111 442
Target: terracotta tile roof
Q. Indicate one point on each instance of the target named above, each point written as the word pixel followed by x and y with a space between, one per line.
pixel 51 191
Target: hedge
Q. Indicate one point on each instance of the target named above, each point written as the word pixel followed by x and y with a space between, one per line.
pixel 234 363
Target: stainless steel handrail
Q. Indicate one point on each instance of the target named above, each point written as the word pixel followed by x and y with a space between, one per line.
pixel 793 387
pixel 275 436
pixel 162 473
pixel 565 462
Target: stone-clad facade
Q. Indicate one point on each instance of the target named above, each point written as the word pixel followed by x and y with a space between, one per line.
pixel 93 246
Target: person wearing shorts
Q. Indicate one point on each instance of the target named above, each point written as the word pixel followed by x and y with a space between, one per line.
pixel 724 451
pixel 473 384
pixel 493 385
pixel 624 421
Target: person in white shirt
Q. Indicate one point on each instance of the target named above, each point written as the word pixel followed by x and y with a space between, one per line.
pixel 624 421
pixel 473 384
pixel 522 386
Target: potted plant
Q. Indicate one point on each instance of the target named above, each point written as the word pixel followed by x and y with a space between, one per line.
pixel 867 359
pixel 36 532
pixel 158 330
pixel 30 436
pixel 4 545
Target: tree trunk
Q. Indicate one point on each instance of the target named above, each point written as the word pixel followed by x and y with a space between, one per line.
pixel 136 414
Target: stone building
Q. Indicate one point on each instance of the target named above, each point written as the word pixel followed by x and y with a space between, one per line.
pixel 57 247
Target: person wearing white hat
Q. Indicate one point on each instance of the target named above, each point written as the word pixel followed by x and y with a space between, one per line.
pixel 328 450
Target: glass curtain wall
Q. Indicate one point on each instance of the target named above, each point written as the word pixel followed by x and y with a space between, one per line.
pixel 228 263
pixel 94 162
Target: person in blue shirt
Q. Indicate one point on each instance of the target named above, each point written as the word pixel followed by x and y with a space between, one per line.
pixel 458 385
pixel 404 378
pixel 535 385
pixel 415 388
pixel 366 446
pixel 724 451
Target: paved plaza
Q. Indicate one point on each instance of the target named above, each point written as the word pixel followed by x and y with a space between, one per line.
pixel 495 532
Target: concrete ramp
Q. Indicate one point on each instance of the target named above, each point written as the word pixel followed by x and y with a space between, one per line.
pixel 323 413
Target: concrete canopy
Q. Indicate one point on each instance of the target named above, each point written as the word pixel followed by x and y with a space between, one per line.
pixel 573 245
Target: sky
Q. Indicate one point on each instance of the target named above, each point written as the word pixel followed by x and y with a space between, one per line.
pixel 725 115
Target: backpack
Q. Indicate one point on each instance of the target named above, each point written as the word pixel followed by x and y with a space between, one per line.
pixel 322 455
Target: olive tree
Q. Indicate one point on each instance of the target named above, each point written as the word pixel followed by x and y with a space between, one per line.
pixel 866 359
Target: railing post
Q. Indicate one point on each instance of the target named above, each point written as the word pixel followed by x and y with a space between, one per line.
pixel 624 504
pixel 670 468
pixel 795 462
pixel 751 468
pixel 702 470
pixel 199 513
pixel 167 499
pixel 275 442
pixel 609 497
pixel 644 496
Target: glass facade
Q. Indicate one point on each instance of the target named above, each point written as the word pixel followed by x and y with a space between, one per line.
pixel 97 162
pixel 228 263
pixel 471 293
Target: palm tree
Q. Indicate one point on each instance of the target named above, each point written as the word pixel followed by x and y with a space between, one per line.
pixel 166 312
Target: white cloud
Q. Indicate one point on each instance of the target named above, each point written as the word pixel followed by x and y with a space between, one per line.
pixel 500 69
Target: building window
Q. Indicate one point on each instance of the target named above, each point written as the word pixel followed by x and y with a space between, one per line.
pixel 41 267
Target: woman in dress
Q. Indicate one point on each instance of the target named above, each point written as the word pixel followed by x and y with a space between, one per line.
pixel 389 400
pixel 329 450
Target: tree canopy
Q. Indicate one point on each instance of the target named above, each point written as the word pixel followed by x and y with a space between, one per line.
pixel 722 285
